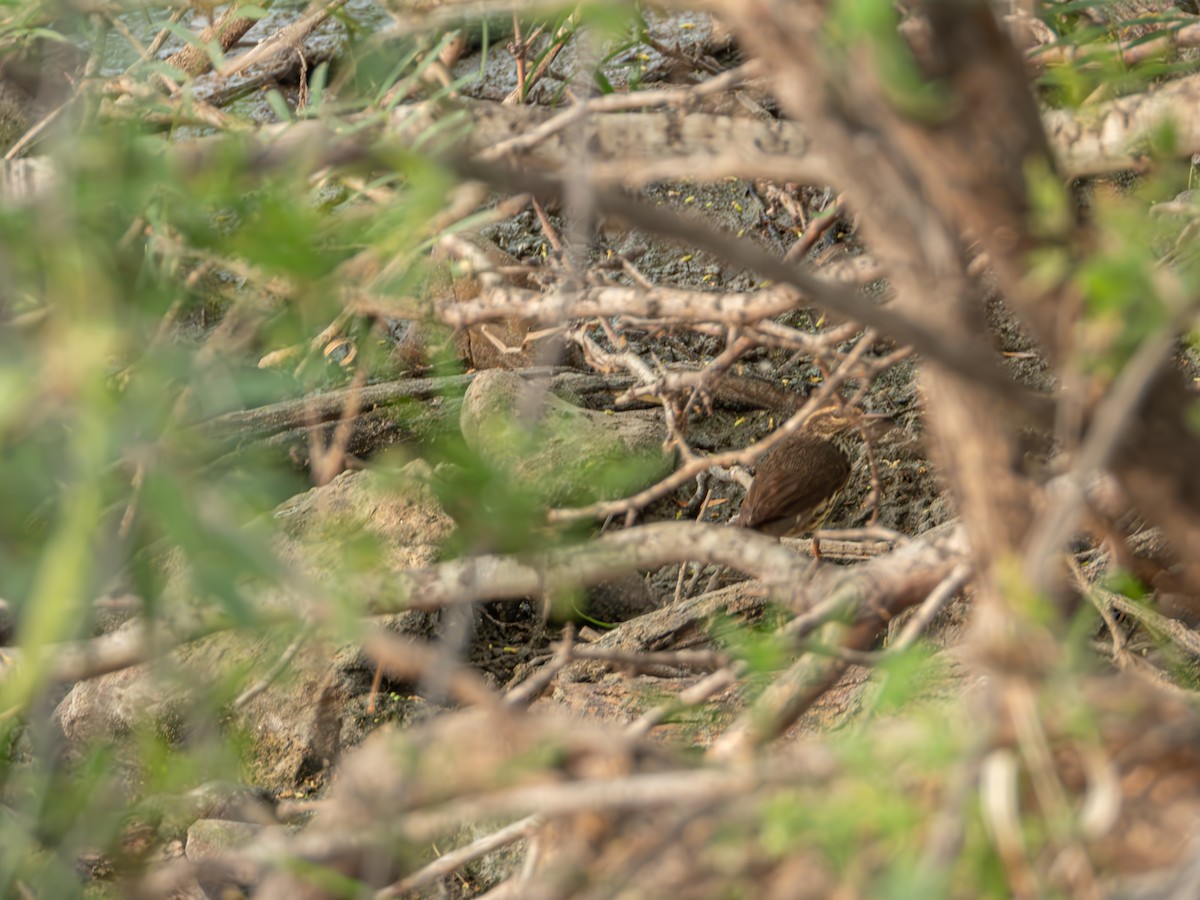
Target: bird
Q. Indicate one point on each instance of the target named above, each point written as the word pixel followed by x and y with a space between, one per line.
pixel 798 483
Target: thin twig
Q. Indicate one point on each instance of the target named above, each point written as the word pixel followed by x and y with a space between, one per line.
pixel 533 687
pixel 693 467
pixel 933 604
pixel 448 863
pixel 699 692
pixel 684 566
pixel 812 234
pixel 276 670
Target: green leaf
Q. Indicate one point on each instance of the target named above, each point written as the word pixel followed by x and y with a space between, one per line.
pixel 279 106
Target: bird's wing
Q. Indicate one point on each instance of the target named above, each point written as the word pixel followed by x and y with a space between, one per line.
pixel 801 478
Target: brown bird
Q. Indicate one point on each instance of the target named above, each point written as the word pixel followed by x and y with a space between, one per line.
pixel 799 481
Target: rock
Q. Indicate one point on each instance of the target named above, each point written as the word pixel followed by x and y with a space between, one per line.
pixel 360 829
pixel 505 344
pixel 210 839
pixel 298 723
pixel 571 450
pixel 492 344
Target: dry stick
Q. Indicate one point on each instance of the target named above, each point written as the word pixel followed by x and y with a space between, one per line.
pixel 193 59
pixel 608 362
pixel 877 592
pixel 684 566
pixel 1078 140
pixel 693 467
pixel 27 139
pixel 548 229
pixel 654 659
pixel 1120 404
pixel 529 690
pixel 376 681
pixel 773 334
pixel 788 697
pixel 450 862
pixel 412 660
pixel 289 414
pixel 647 305
pixel 877 534
pixel 998 802
pixel 700 381
pixel 686 788
pixel 617 339
pixel 683 789
pixel 159 39
pixel 281 664
pixel 193 111
pixel 703 62
pixel 81 660
pixel 1171 38
pixel 947 830
pixel 933 604
pixel 602 360
pixel 697 693
pixel 812 234
pixel 649 547
pixel 302 98
pixel 329 461
pixel 1135 665
pixel 517 95
pixel 437 586
pixel 529 865
pixel 1105 610
pixel 288 36
pixel 1178 633
pixel 968 359
pixel 531 137
pixel 1022 704
pixel 781 195
pixel 634 273
pixel 735 348
pixel 847 544
pixel 519 48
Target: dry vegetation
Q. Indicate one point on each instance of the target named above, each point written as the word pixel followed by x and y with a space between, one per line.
pixel 371 406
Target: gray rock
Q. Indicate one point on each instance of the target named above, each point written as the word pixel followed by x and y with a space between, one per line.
pixel 297 724
pixel 556 448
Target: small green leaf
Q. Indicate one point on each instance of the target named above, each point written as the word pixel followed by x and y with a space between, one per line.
pixel 279 106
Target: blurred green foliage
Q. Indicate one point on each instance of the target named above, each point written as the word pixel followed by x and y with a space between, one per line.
pixel 139 293
pixel 137 297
